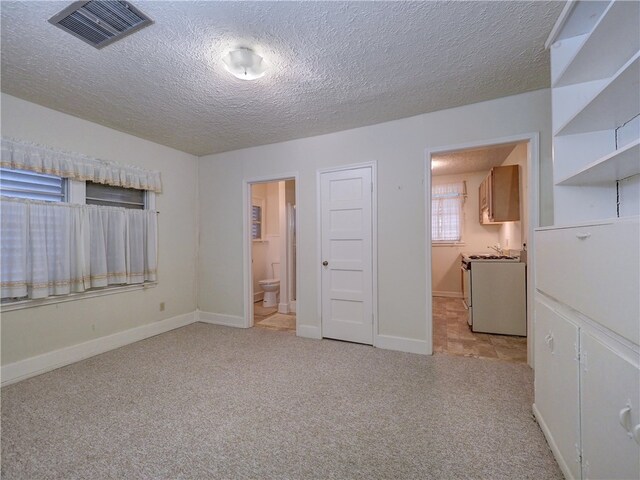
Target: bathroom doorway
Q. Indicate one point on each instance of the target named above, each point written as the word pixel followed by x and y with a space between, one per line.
pixel 272 240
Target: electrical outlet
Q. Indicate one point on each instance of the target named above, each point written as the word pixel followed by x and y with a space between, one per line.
pixel 162 306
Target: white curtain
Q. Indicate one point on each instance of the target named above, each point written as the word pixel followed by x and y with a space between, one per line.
pixel 60 248
pixel 21 155
pixel 446 212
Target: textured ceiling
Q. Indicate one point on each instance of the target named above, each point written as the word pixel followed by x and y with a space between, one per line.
pixel 472 160
pixel 332 66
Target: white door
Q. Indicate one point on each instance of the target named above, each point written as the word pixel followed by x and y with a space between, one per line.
pixel 557 382
pixel 347 274
pixel 610 403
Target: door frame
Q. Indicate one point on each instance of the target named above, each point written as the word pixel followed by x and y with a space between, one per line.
pixel 533 186
pixel 374 240
pixel 247 243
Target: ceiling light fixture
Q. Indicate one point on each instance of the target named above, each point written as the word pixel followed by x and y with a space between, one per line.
pixel 244 64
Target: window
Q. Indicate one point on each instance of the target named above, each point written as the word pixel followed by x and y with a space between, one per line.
pixel 31 185
pixel 446 212
pixel 110 196
pixel 257 210
pixel 58 246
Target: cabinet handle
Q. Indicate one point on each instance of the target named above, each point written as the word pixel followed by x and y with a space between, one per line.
pixel 549 341
pixel 636 433
pixel 583 236
pixel 625 417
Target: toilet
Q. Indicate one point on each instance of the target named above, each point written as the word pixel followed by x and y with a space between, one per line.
pixel 270 286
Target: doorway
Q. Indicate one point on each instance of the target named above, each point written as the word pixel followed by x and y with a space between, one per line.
pixel 271 248
pixel 482 201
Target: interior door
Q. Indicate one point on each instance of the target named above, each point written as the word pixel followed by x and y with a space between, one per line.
pixel 346 236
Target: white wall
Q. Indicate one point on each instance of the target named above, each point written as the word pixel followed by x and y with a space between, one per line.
pixel 445 259
pixel 38 330
pixel 398 148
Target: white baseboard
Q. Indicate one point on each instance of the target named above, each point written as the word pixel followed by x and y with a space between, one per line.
pixel 258 297
pixel 221 319
pixel 401 344
pixel 552 444
pixel 30 367
pixel 283 308
pixel 309 331
pixel 448 294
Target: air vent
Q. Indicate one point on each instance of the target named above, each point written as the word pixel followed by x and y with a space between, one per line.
pixel 100 23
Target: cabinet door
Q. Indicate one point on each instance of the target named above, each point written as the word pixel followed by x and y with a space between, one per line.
pixel 594 269
pixel 556 385
pixel 504 194
pixel 609 385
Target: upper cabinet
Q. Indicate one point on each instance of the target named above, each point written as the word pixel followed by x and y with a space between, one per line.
pixel 595 79
pixel 500 195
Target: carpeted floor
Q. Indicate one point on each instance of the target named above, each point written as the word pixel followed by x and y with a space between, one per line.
pixel 206 401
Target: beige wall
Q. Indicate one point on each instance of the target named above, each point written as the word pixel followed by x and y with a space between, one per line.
pixel 34 331
pixel 445 266
pixel 514 234
pixel 399 149
pixel 267 251
pixel 259 248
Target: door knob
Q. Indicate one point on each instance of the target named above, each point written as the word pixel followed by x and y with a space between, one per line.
pixel 325 263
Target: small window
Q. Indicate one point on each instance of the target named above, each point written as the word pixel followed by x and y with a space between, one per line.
pixel 446 212
pixel 256 221
pixel 110 196
pixel 31 185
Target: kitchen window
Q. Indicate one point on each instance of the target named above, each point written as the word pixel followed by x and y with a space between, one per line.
pixel 447 215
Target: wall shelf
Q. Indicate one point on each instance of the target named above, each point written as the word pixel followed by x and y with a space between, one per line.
pixel 619 164
pixel 611 43
pixel 613 104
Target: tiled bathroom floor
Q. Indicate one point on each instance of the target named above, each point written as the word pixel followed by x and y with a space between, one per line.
pixel 260 312
pixel 269 318
pixel 452 335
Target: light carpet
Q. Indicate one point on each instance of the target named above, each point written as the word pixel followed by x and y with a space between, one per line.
pixel 207 401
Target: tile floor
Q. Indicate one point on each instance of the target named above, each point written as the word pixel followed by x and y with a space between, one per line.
pixel 452 335
pixel 269 319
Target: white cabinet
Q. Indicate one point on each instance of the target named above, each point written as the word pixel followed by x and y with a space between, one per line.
pixel 557 395
pixel 588 264
pixel 587 394
pixel 610 406
pixel 593 268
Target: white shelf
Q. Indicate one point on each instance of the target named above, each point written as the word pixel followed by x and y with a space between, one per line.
pixel 612 42
pixel 616 102
pixel 620 164
pixel 577 18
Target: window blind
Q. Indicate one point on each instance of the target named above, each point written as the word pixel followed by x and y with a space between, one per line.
pixel 108 195
pixel 31 185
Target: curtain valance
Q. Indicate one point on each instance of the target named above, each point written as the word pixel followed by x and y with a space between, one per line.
pixel 23 155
